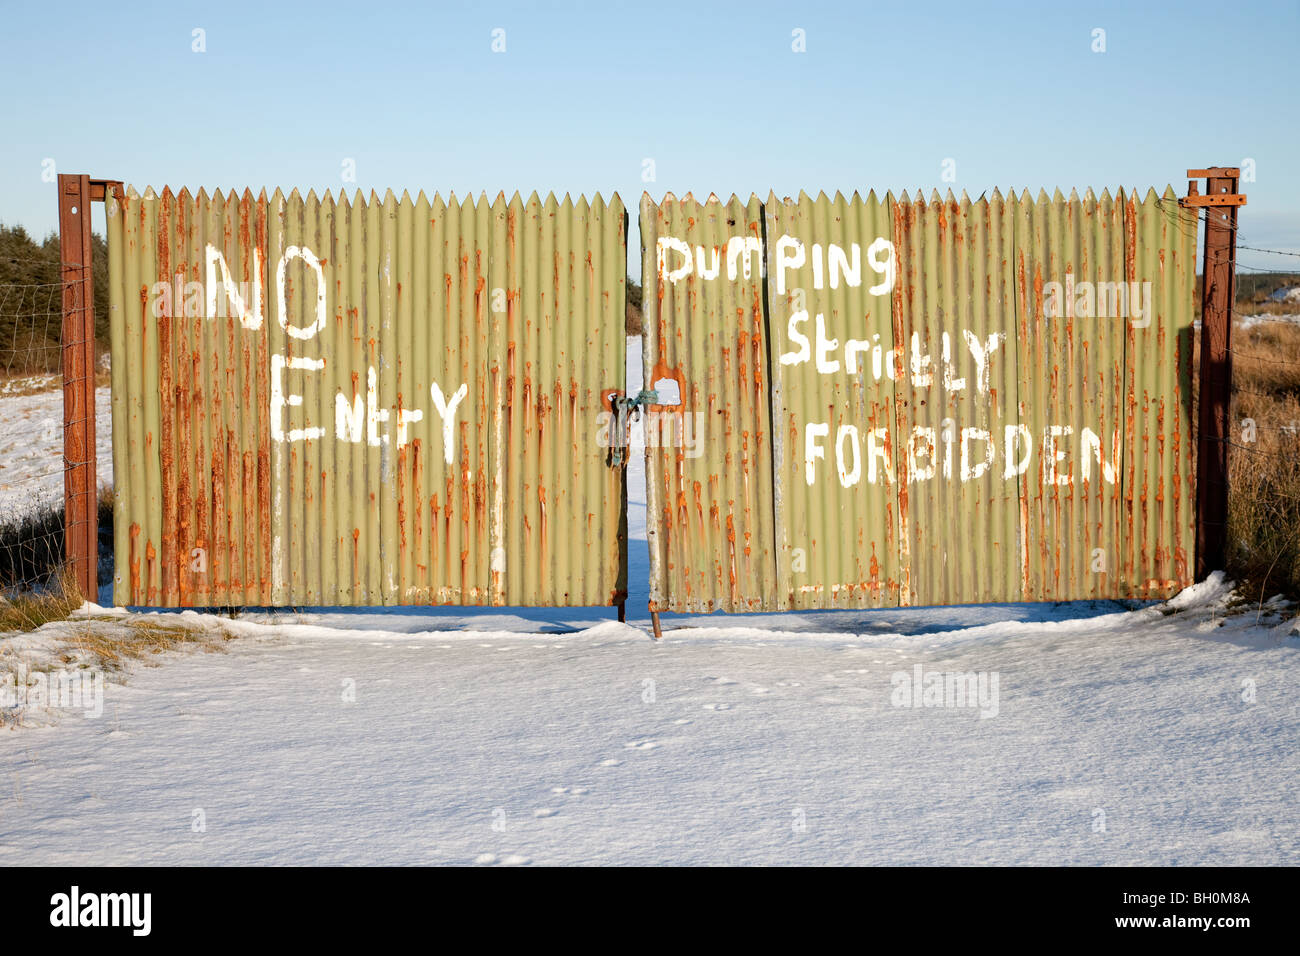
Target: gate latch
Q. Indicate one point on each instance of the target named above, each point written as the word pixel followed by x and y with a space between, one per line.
pixel 626 410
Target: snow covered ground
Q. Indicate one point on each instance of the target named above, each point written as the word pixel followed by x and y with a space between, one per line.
pixel 31 444
pixel 1093 734
pixel 1119 738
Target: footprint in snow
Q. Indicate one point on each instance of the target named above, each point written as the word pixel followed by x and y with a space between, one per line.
pixel 717 707
pixel 513 859
pixel 611 762
pixel 572 791
pixel 719 681
pixel 542 813
pixel 641 744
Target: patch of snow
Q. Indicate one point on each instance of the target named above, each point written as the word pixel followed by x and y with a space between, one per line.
pixel 31 447
pixel 1263 318
pixel 1212 592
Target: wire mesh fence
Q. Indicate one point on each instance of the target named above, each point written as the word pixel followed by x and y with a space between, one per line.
pixel 33 464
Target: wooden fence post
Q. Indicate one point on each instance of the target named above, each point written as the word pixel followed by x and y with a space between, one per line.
pixel 1220 202
pixel 80 499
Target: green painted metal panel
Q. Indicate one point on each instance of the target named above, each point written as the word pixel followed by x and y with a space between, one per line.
pixel 971 401
pixel 708 459
pixel 955 322
pixel 1071 383
pixel 1156 555
pixel 374 400
pixel 833 395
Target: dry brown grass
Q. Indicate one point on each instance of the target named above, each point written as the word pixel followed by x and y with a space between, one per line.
pixel 1264 463
pixel 30 610
pixel 20 383
pixel 138 639
pixel 106 642
pixel 1266 358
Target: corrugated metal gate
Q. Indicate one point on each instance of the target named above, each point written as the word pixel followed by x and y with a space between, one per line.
pixel 375 401
pixel 875 402
pixel 968 401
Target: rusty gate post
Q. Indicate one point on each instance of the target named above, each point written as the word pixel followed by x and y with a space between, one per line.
pixel 80 505
pixel 1220 202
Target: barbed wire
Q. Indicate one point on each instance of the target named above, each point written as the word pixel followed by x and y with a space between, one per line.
pixel 1276 252
pixel 1255 356
pixel 1238 390
pixel 1278 272
pixel 1191 215
pixel 1288 459
pixel 53 262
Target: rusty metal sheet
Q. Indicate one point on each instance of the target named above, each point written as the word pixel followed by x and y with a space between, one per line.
pixel 1105 292
pixel 709 458
pixel 374 400
pixel 955 327
pixel 832 353
pixel 1159 515
pixel 971 401
pixel 1070 255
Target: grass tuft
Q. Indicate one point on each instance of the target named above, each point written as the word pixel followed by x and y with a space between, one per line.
pixel 136 639
pixel 29 610
pixel 1264 461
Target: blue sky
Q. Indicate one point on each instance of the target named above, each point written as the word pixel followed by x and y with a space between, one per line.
pixel 712 93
